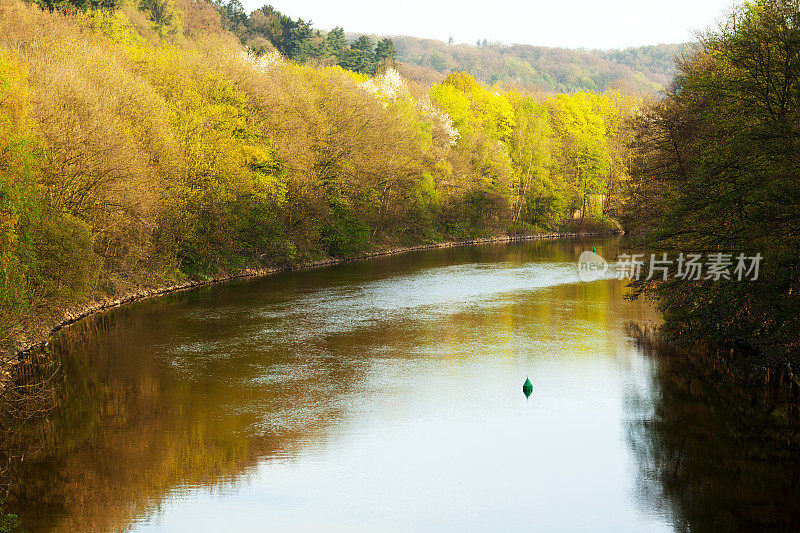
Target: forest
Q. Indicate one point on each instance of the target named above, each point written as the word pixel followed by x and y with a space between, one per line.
pixel 154 141
pixel 645 70
pixel 714 169
pixel 150 143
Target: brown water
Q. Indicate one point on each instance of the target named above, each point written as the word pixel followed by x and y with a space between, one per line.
pixel 387 395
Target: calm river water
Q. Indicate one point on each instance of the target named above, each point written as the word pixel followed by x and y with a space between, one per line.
pixel 387 395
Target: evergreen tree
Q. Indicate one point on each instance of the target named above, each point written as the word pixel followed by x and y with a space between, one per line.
pixel 232 15
pixel 360 57
pixel 300 46
pixel 335 41
pixel 385 52
pixel 274 26
pixel 80 5
pixel 161 14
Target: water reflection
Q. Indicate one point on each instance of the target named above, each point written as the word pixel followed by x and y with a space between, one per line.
pixel 717 444
pixel 376 395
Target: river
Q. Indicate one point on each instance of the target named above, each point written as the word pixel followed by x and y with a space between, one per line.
pixel 387 395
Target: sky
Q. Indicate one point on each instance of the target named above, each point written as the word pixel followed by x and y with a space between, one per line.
pixel 567 23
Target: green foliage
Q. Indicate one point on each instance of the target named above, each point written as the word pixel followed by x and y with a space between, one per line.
pixel 267 28
pixel 550 158
pixel 346 233
pixel 474 107
pixel 66 6
pixel 715 171
pixel 359 57
pixel 385 52
pixel 230 171
pixel 457 106
pixel 582 121
pixel 162 14
pixel 645 69
pixel 9 523
pixel 45 254
pixel 65 262
pixel 18 196
pixel 593 224
pixel 335 41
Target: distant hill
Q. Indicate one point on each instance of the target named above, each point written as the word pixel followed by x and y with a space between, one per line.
pixel 646 69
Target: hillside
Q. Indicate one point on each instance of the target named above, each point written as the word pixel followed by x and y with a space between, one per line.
pixel 646 69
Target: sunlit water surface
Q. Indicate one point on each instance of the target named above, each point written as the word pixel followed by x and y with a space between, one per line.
pixel 379 395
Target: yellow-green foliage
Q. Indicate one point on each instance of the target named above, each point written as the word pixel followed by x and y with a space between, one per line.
pixel 44 253
pixel 15 178
pixel 551 157
pixel 585 123
pixel 138 151
pixel 473 106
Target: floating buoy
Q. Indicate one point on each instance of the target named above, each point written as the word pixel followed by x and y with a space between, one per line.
pixel 527 388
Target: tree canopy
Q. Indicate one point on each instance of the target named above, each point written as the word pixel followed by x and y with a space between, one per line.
pixel 715 171
pixel 267 28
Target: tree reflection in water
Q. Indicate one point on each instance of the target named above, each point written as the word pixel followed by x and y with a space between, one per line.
pixel 122 439
pixel 193 393
pixel 716 442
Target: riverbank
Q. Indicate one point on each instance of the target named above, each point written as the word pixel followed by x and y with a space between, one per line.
pixel 30 341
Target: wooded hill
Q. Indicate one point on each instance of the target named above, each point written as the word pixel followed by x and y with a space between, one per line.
pixel 645 69
pixel 146 142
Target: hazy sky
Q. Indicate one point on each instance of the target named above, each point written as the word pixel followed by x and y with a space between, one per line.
pixel 570 23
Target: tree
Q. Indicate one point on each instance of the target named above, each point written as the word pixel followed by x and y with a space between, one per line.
pixel 81 5
pixel 274 26
pixel 360 57
pixel 537 200
pixel 581 121
pixel 335 41
pixel 385 52
pixel 233 15
pixel 300 46
pixel 161 13
pixel 715 170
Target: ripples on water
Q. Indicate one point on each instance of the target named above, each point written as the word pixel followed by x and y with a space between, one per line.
pixel 386 395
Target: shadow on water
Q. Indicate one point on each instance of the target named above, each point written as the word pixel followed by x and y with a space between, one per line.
pixel 717 440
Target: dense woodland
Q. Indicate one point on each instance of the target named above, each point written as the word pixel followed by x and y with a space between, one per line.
pixel 646 70
pixel 145 142
pixel 266 29
pixel 715 169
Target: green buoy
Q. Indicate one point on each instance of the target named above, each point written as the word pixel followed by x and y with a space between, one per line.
pixel 527 388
